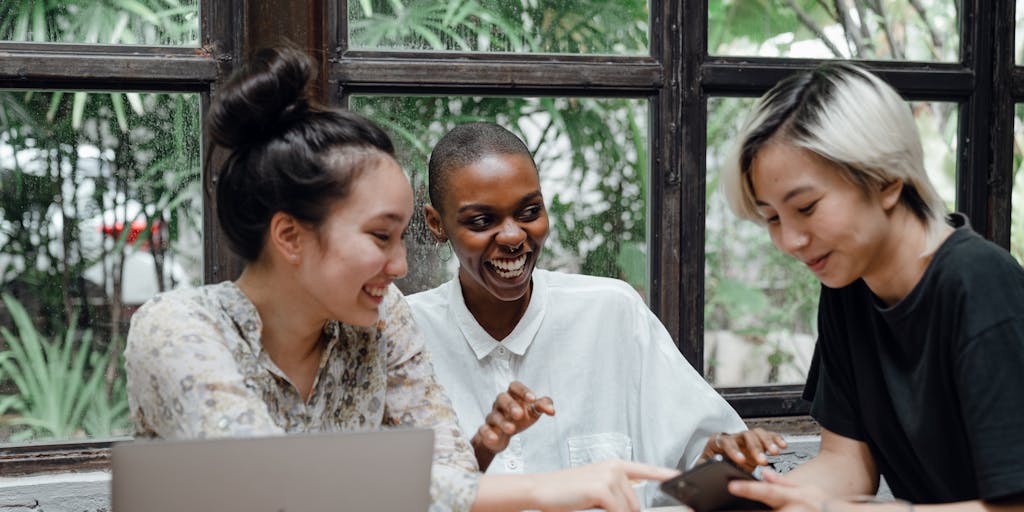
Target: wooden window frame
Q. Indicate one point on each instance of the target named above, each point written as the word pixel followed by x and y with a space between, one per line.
pixel 676 78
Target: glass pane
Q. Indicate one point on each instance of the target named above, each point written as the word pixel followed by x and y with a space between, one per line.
pixel 592 156
pixel 1018 41
pixel 920 30
pixel 543 26
pixel 1017 197
pixel 760 309
pixel 100 209
pixel 148 22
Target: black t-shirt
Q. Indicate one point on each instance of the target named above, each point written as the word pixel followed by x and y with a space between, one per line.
pixel 935 384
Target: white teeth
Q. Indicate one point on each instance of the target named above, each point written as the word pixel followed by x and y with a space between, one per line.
pixel 509 269
pixel 376 292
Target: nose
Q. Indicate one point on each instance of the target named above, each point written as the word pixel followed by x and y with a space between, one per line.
pixel 511 234
pixel 397 265
pixel 791 238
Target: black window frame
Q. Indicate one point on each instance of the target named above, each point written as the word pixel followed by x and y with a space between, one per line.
pixel 677 78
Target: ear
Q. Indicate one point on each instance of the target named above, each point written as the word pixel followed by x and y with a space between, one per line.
pixel 285 237
pixel 890 194
pixel 433 218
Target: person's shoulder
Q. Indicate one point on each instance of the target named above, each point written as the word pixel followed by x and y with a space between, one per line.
pixel 427 299
pixel 603 288
pixel 966 258
pixel 174 303
pixel 183 308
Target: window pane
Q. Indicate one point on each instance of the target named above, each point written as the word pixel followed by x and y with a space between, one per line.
pixel 1017 197
pixel 923 30
pixel 760 310
pixel 100 209
pixel 543 26
pixel 149 22
pixel 592 156
pixel 1018 41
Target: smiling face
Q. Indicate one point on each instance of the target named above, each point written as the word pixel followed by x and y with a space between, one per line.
pixel 814 214
pixel 493 214
pixel 351 258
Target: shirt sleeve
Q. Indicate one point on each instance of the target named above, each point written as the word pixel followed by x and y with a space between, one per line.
pixel 833 403
pixel 989 383
pixel 415 398
pixel 183 381
pixel 687 409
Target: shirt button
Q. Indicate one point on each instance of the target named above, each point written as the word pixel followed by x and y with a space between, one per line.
pixel 501 350
pixel 513 465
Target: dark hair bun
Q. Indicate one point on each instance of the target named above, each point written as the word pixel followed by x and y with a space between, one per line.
pixel 263 99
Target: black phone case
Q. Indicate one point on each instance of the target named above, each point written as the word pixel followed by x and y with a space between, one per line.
pixel 703 488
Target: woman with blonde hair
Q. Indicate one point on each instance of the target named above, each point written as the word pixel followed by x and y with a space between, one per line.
pixel 918 373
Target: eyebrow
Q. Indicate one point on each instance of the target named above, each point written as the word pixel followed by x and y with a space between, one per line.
pixel 789 195
pixel 480 206
pixel 394 217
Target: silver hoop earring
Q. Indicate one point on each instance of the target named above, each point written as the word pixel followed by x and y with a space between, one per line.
pixel 445 251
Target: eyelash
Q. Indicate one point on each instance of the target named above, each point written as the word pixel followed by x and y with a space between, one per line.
pixel 806 210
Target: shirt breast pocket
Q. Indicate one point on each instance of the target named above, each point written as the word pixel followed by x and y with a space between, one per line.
pixel 592 448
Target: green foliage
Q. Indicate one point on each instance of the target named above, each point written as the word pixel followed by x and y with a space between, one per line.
pixel 61 392
pixel 82 159
pixel 599 209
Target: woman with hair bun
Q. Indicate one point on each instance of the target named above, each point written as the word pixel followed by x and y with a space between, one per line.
pixel 918 372
pixel 314 336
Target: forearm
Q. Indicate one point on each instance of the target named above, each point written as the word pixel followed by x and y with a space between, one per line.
pixel 834 474
pixel 500 493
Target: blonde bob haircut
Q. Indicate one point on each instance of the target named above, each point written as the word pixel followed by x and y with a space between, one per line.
pixel 849 117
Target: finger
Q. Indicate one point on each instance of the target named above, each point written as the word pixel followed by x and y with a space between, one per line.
pixel 511 408
pixel 755 446
pixel 490 438
pixel 544 405
pixel 770 441
pixel 730 447
pixel 519 391
pixel 641 471
pixel 500 423
pixel 776 478
pixel 772 495
pixel 632 500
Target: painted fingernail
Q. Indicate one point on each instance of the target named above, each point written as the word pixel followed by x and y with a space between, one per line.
pixel 530 397
pixel 774 447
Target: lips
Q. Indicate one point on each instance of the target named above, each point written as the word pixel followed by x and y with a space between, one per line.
pixel 818 263
pixel 509 268
pixel 376 292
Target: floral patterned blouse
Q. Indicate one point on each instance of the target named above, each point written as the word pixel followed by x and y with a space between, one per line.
pixel 196 368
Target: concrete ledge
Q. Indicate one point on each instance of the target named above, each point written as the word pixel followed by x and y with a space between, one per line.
pixel 61 492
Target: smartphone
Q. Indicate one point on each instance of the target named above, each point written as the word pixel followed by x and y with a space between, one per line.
pixel 703 487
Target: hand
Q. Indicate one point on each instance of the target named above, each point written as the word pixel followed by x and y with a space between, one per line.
pixel 779 493
pixel 747 449
pixel 514 411
pixel 607 485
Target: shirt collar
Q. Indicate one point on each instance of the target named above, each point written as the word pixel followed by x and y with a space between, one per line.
pixel 519 340
pixel 246 317
pixel 242 312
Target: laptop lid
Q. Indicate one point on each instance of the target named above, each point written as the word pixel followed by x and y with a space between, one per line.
pixel 364 471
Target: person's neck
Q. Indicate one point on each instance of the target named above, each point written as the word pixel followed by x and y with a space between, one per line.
pixel 290 335
pixel 498 317
pixel 901 262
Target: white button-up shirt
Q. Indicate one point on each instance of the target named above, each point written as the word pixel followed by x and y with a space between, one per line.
pixel 620 386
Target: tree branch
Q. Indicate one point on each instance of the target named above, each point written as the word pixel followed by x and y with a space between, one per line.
pixel 936 40
pixel 806 20
pixel 852 35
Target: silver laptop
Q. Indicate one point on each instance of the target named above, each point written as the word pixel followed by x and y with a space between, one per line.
pixel 366 471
